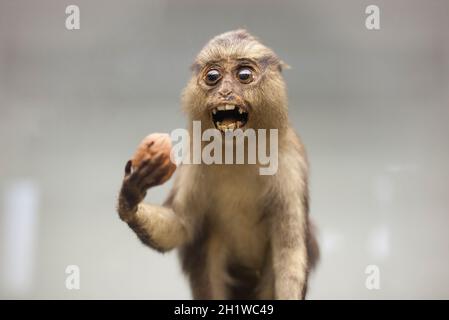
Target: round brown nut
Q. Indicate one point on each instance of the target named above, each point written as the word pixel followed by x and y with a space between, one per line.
pixel 151 146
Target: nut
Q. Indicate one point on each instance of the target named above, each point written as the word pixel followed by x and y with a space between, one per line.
pixel 151 146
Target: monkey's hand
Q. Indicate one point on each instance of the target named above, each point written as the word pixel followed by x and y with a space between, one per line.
pixel 149 173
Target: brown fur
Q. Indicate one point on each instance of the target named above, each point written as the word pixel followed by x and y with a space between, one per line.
pixel 240 235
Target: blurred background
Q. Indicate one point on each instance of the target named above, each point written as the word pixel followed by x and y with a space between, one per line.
pixel 371 106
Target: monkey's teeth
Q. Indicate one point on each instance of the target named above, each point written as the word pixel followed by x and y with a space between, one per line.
pixel 214 111
pixel 229 107
pixel 221 108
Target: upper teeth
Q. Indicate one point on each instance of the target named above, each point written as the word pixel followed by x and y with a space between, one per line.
pixel 226 107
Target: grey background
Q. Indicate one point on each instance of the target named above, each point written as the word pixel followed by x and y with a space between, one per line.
pixel 371 106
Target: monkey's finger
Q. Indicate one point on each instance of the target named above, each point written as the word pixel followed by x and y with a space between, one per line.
pixel 149 165
pixel 135 176
pixel 152 174
pixel 128 168
pixel 157 159
pixel 150 171
pixel 154 179
pixel 146 169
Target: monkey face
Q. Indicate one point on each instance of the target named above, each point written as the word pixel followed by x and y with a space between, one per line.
pixel 225 85
pixel 237 84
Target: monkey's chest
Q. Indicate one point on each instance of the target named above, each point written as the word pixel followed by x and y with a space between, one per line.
pixel 237 220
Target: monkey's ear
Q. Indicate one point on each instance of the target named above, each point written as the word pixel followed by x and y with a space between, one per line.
pixel 273 61
pixel 283 66
pixel 195 67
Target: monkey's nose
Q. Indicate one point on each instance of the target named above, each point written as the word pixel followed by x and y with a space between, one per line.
pixel 225 92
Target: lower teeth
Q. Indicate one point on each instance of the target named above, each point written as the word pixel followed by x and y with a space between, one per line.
pixel 229 126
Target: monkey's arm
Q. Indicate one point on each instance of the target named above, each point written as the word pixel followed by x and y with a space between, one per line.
pixel 289 233
pixel 290 255
pixel 156 226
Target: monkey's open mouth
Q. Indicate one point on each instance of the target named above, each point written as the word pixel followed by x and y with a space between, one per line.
pixel 229 117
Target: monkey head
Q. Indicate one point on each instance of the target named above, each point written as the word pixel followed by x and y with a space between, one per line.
pixel 236 83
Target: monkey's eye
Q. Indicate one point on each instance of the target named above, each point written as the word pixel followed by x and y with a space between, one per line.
pixel 245 75
pixel 212 77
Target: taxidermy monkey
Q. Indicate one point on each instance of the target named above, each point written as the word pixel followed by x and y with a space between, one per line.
pixel 240 235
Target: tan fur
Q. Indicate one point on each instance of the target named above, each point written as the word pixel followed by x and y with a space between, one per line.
pixel 239 234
